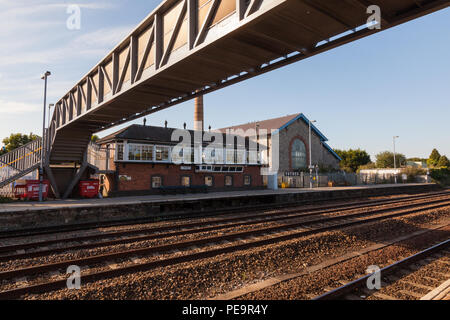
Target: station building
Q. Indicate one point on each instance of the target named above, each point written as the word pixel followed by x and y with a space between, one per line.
pixel 293 139
pixel 143 160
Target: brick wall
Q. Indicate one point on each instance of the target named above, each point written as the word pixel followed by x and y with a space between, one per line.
pixel 299 129
pixel 140 175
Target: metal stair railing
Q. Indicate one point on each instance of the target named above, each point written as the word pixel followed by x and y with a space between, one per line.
pixel 19 162
pixel 99 157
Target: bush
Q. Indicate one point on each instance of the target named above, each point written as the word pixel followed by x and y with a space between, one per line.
pixel 441 176
pixel 370 165
pixel 352 159
pixel 412 173
pixel 386 159
pixel 434 158
pixel 443 162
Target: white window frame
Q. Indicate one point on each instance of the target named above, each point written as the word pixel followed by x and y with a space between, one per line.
pixel 152 147
pixel 138 148
pixel 169 154
pixel 221 154
pixel 116 153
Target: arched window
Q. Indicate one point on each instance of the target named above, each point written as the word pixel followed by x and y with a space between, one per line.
pixel 298 154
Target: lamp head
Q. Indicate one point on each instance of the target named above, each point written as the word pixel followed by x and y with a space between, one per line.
pixel 48 73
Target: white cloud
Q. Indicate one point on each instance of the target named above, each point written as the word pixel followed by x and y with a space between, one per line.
pixel 38 6
pixel 19 17
pixel 97 43
pixel 16 107
pixel 103 38
pixel 35 38
pixel 30 42
pixel 97 5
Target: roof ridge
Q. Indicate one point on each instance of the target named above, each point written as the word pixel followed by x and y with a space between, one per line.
pixel 261 121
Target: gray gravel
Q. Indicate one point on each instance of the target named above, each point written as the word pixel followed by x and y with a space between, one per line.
pixel 203 279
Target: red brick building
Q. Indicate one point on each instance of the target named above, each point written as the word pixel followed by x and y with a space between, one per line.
pixel 146 160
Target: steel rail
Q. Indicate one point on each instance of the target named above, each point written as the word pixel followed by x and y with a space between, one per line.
pixel 325 209
pixel 358 283
pixel 124 222
pixel 271 217
pixel 189 257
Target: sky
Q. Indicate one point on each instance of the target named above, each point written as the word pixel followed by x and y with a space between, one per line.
pixel 394 83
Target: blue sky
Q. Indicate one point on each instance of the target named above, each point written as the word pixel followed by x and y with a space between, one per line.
pixel 396 82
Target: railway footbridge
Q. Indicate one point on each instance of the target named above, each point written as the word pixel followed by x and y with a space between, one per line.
pixel 187 48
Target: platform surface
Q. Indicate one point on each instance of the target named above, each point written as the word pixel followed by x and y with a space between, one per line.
pixel 80 203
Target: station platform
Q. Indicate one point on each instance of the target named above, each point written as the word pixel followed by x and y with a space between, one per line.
pixel 89 203
pixel 19 215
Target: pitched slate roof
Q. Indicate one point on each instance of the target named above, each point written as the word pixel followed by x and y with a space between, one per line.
pixel 141 133
pixel 282 123
pixel 164 135
pixel 268 125
pixel 151 134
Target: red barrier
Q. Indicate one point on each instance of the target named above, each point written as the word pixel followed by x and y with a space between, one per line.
pixel 88 188
pixel 30 190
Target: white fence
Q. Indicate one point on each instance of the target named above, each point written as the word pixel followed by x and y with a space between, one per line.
pixel 302 179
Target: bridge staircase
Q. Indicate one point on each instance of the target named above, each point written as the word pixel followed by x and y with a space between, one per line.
pixel 26 159
pixel 18 163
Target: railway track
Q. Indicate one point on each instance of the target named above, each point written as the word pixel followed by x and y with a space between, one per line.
pixel 152 233
pixel 124 262
pixel 125 222
pixel 404 279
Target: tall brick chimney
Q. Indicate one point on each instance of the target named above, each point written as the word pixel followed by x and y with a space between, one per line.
pixel 198 114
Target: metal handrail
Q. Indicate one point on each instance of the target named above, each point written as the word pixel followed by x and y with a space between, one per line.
pixel 99 156
pixel 20 161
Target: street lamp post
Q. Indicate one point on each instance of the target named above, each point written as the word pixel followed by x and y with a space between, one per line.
pixel 311 167
pixel 395 161
pixel 41 168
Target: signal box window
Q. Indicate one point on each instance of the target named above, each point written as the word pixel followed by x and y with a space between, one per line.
pixel 186 181
pixel 156 182
pixel 209 181
pixel 228 181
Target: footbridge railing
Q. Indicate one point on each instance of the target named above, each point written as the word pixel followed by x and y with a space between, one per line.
pixel 19 162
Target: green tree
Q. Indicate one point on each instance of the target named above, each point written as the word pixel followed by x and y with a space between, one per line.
pixel 95 138
pixel 370 165
pixel 386 159
pixel 434 158
pixel 443 162
pixel 353 159
pixel 16 140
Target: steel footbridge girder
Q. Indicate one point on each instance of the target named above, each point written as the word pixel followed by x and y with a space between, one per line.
pixel 186 48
